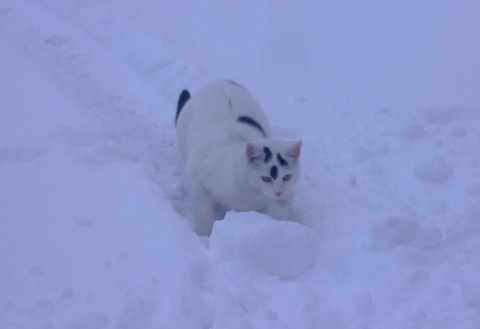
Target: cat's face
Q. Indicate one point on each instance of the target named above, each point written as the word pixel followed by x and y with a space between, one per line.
pixel 273 166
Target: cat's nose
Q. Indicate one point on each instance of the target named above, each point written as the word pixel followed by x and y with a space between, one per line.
pixel 279 194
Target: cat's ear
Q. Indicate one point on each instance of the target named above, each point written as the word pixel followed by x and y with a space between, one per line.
pixel 294 150
pixel 253 152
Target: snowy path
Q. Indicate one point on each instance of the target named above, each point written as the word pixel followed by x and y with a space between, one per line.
pixel 92 176
pixel 93 213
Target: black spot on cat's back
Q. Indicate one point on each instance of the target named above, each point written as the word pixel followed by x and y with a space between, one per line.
pixel 182 100
pixel 236 84
pixel 251 122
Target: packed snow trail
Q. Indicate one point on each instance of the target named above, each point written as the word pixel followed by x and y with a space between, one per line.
pixel 94 216
pixel 83 178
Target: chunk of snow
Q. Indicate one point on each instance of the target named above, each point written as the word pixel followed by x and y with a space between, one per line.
pixel 413 132
pixel 396 232
pixel 280 248
pixel 433 170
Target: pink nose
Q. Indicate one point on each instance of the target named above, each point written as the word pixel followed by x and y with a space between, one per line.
pixel 279 194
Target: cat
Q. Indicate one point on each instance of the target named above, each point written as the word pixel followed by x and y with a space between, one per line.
pixel 231 160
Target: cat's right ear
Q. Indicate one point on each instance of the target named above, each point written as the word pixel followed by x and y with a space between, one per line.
pixel 253 153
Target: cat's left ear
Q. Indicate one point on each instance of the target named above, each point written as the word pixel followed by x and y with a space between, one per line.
pixel 294 150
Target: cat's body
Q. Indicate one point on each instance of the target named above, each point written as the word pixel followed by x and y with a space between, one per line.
pixel 231 161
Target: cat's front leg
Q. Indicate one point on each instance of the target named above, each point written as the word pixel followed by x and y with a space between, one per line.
pixel 205 210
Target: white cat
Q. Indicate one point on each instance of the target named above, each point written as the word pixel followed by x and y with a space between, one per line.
pixel 231 161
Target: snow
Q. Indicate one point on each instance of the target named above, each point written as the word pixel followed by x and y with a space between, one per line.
pixel 281 249
pixel 95 220
pixel 434 170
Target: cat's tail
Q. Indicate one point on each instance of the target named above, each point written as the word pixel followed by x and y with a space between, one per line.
pixel 182 100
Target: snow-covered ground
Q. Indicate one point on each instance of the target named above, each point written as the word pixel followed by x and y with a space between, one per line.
pixel 94 215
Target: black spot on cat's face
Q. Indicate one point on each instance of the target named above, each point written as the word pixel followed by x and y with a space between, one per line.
pixel 274 172
pixel 268 153
pixel 281 160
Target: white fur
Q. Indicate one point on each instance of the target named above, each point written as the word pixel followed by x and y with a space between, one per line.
pixel 213 145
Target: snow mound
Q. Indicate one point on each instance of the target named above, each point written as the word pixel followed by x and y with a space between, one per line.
pixel 413 132
pixel 279 248
pixel 433 170
pixel 394 232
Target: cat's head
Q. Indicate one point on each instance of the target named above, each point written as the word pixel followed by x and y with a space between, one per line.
pixel 273 166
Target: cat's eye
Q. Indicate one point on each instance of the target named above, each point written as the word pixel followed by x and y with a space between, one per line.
pixel 287 177
pixel 267 179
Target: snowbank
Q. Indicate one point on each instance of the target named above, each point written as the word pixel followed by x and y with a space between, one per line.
pixel 280 248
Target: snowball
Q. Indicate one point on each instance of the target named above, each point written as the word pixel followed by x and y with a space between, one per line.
pixel 280 248
pixel 434 170
pixel 413 132
pixel 361 153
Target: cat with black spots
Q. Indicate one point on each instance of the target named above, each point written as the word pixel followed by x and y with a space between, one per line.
pixel 231 160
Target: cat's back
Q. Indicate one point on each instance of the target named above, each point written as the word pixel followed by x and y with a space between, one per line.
pixel 223 112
